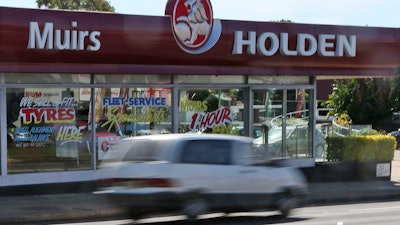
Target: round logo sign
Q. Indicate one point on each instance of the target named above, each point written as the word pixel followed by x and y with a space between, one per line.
pixel 104 146
pixel 194 27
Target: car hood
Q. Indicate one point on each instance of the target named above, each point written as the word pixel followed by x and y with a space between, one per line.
pixel 271 140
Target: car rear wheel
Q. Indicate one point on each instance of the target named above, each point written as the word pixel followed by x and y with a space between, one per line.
pixel 194 208
pixel 134 214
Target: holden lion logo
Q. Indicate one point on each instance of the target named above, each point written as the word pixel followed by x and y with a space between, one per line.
pixel 194 27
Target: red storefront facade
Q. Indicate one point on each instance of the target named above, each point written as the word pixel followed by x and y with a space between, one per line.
pixel 65 74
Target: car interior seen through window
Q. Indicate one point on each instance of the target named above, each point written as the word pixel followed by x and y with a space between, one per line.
pixel 206 152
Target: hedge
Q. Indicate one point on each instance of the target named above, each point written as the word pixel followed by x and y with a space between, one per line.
pixel 361 148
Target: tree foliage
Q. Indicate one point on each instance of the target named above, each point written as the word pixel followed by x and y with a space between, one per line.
pixel 395 100
pixel 282 21
pixel 87 5
pixel 366 100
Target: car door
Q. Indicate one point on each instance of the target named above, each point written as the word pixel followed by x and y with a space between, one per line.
pixel 206 164
pixel 215 166
pixel 254 179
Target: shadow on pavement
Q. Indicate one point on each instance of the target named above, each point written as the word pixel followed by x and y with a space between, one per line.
pixel 180 220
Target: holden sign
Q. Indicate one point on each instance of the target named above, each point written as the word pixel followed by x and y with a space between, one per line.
pixel 326 45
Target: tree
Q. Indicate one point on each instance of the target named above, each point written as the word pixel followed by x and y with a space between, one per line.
pixel 282 21
pixel 365 100
pixel 395 100
pixel 88 5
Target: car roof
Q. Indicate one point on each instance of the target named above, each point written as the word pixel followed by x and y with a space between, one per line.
pixel 163 140
pixel 191 136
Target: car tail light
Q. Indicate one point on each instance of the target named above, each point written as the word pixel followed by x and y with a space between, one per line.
pixel 137 183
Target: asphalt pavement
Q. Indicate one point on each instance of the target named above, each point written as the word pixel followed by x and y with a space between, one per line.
pixel 39 208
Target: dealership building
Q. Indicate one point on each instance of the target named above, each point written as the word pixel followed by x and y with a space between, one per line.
pixel 65 74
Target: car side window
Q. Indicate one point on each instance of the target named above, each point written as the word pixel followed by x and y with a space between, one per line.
pixel 142 151
pixel 206 152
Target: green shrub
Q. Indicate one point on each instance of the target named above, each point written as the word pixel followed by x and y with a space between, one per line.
pixel 361 148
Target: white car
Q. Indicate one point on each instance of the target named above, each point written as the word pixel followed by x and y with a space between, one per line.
pixel 195 174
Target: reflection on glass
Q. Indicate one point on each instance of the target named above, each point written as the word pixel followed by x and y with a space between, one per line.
pixel 287 80
pixel 46 130
pixel 50 129
pixel 284 115
pixel 135 79
pixel 211 79
pixel 39 78
pixel 211 111
pixel 137 111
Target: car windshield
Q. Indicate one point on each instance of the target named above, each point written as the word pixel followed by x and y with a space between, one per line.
pixel 276 133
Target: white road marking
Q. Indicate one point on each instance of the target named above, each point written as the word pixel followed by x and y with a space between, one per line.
pixel 375 209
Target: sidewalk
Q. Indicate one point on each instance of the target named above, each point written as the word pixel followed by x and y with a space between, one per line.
pixel 24 209
pixel 396 167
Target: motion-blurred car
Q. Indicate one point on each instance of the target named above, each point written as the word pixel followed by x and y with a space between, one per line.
pixel 257 132
pixel 107 135
pixel 298 142
pixel 396 134
pixel 16 135
pixel 194 174
pixel 322 115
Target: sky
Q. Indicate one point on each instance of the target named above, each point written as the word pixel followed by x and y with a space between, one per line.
pixel 372 13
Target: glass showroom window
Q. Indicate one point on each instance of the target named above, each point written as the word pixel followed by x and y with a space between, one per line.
pixel 211 111
pixel 123 112
pixel 286 113
pixel 134 111
pixel 47 129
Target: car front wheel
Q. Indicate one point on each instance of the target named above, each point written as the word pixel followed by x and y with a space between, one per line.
pixel 286 205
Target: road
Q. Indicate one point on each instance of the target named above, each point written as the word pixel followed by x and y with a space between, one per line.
pixel 347 214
